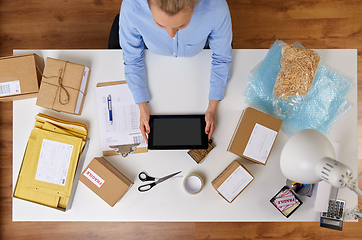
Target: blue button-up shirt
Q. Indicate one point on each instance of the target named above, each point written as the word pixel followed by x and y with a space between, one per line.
pixel 210 21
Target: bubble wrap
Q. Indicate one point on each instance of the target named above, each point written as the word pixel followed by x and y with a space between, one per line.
pixel 325 102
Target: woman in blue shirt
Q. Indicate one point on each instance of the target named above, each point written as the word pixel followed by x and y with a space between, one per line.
pixel 177 28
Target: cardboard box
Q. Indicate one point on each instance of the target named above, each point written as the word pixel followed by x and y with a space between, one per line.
pixel 232 181
pixel 105 180
pixel 63 87
pixel 20 76
pixel 199 155
pixel 255 135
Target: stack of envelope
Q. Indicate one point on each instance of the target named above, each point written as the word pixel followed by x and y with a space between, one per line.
pixel 50 161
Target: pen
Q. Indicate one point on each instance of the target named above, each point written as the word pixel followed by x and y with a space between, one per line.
pixel 109 101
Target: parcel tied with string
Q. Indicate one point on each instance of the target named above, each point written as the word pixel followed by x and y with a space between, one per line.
pixel 63 86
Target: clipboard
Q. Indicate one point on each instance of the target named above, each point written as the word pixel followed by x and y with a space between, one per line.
pixel 124 148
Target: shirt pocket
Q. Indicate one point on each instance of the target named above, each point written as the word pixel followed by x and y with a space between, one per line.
pixel 192 49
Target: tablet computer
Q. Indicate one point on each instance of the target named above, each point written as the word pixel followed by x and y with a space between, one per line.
pixel 177 132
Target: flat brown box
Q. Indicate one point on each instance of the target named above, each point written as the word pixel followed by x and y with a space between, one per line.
pixel 248 119
pixel 219 180
pixel 22 68
pixel 106 181
pixel 59 78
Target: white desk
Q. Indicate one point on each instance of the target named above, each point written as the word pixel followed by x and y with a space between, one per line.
pixel 181 85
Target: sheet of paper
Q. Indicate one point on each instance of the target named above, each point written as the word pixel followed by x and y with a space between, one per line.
pixel 260 143
pixel 124 128
pixel 235 183
pixel 53 164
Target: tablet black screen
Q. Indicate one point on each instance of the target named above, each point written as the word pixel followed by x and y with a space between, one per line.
pixel 177 132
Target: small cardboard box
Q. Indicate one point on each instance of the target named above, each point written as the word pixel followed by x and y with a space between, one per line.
pixel 63 87
pixel 105 180
pixel 199 155
pixel 20 76
pixel 232 181
pixel 255 135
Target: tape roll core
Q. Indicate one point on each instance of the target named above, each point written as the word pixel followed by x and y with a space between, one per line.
pixel 193 184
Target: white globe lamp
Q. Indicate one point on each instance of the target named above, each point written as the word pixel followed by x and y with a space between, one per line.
pixel 308 157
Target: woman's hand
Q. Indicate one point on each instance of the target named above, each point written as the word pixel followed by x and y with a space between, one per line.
pixel 210 117
pixel 144 119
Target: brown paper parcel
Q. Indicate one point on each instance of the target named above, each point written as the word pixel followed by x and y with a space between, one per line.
pixel 63 86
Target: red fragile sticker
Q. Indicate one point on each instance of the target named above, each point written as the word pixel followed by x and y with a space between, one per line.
pixel 93 177
pixel 285 200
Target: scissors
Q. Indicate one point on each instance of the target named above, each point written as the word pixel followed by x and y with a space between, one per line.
pixel 144 177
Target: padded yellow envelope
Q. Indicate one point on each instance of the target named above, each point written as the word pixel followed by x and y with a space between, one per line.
pixel 50 161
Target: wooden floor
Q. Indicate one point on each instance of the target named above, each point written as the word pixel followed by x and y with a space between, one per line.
pixel 85 24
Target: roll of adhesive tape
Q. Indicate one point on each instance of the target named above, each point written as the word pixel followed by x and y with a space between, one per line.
pixel 193 184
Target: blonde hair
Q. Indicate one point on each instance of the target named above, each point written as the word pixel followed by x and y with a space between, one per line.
pixel 172 7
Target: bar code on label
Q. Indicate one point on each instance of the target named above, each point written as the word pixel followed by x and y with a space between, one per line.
pixel 4 89
pixel 138 139
pixel 10 88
